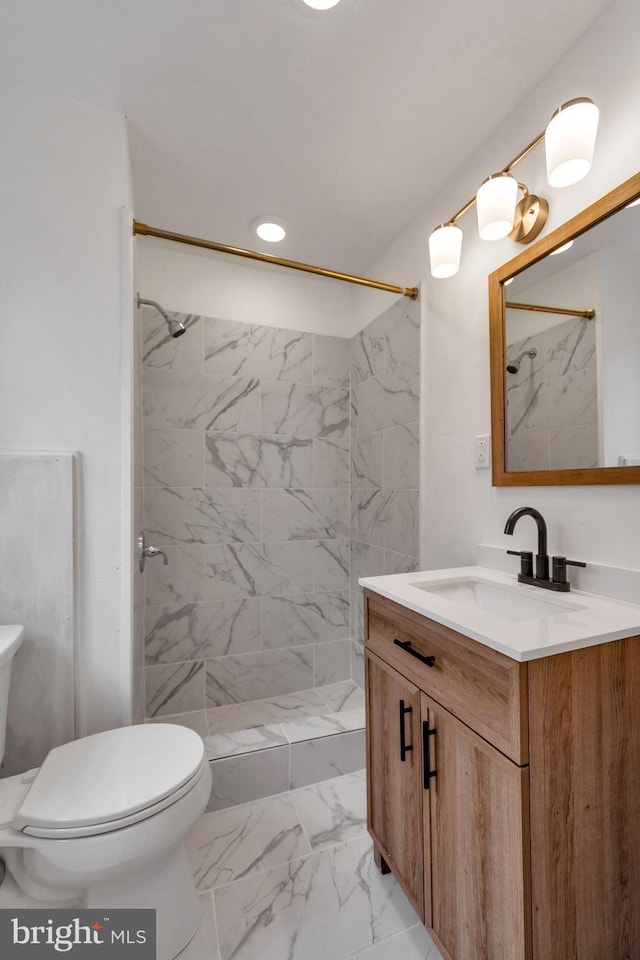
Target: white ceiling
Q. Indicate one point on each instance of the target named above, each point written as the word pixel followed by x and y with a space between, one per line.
pixel 343 122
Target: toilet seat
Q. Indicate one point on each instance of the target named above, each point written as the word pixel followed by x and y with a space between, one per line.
pixel 110 780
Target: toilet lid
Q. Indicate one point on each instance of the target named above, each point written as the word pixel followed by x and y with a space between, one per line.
pixel 110 776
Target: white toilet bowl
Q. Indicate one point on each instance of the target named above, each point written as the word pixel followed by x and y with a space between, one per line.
pixel 103 822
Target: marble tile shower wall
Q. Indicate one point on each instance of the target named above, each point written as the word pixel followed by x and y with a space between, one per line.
pixel 246 487
pixel 552 409
pixel 385 445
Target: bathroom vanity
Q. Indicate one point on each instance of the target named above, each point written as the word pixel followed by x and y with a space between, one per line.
pixel 503 763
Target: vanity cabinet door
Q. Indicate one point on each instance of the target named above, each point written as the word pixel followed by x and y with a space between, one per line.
pixel 394 772
pixel 476 812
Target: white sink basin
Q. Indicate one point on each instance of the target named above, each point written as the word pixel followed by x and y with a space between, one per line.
pixel 499 601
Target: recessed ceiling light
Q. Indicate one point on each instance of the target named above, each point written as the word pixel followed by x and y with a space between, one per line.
pixel 322 4
pixel 269 229
pixel 565 246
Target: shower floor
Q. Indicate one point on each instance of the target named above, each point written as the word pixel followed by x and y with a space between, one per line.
pixel 263 747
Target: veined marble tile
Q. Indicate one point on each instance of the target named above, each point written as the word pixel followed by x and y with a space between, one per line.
pixel 570 400
pixel 196 720
pixel 574 447
pixel 568 347
pixel 366 561
pixel 412 944
pixel 297 409
pixel 391 398
pixel 239 716
pixel 367 461
pixel 402 456
pixel 305 514
pixel 239 460
pixel 181 581
pixel 323 759
pixel 330 361
pixel 192 515
pixel 369 351
pixel 327 905
pixel 529 366
pixel 390 519
pixel 252 676
pixel 252 350
pixel 237 742
pixel 204 945
pixel 353 411
pixel 331 661
pixel 402 329
pixel 357 661
pixel 304 619
pixel 400 562
pixel 195 631
pixel 233 843
pixel 160 349
pixel 345 695
pixel 249 776
pixel 330 462
pixel 528 452
pixel 174 688
pixel 310 728
pixel 198 401
pixel 333 811
pixel 331 565
pixel 173 458
pixel 258 569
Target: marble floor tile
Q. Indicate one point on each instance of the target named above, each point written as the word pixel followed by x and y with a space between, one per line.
pixel 230 844
pixel 345 695
pixel 334 810
pixel 243 741
pixel 325 758
pixel 327 905
pixel 204 945
pixel 326 725
pixel 412 944
pixel 255 713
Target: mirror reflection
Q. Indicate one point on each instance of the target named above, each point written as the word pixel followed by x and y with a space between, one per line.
pixel 572 357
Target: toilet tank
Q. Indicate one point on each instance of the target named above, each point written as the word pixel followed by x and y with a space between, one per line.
pixel 10 640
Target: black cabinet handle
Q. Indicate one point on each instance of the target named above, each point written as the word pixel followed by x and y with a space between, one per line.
pixel 406 645
pixel 404 746
pixel 428 773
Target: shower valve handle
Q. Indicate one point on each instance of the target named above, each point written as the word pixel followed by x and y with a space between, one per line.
pixel 147 553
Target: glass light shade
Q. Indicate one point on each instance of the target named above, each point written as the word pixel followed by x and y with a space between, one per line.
pixel 496 204
pixel 569 141
pixel 270 231
pixel 322 4
pixel 445 244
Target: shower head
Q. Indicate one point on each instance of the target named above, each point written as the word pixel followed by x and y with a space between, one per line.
pixel 176 329
pixel 514 366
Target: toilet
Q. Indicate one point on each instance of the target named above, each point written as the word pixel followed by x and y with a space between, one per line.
pixel 103 821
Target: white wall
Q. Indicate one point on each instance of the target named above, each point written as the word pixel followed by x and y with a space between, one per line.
pixel 218 285
pixel 460 509
pixel 64 343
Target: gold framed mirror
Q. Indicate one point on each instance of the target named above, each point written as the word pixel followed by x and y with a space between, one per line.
pixel 564 336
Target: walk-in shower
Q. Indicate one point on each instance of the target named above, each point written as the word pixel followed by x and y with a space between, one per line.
pixel 176 329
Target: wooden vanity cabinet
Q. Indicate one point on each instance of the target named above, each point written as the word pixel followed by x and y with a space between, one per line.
pixel 513 822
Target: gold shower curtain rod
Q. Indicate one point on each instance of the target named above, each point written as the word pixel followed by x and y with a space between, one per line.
pixel 143 230
pixel 539 308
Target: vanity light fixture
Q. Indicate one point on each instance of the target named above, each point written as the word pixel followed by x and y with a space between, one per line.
pixel 569 144
pixel 565 246
pixel 322 4
pixel 270 229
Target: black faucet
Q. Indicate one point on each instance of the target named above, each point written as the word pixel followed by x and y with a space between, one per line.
pixel 559 580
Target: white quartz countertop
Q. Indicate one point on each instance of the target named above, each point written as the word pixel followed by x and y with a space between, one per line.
pixel 522 621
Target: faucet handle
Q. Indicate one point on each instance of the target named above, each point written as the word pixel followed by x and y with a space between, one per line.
pixel 526 561
pixel 559 568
